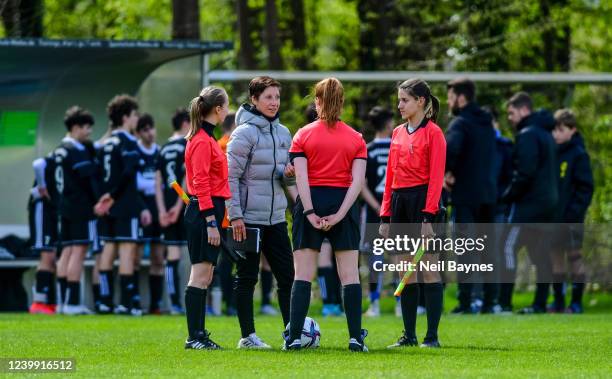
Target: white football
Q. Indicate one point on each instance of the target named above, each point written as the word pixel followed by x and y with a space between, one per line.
pixel 311 334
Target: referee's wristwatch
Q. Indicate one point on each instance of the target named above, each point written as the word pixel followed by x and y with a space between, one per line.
pixel 211 224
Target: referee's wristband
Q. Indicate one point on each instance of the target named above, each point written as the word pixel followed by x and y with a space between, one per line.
pixel 309 212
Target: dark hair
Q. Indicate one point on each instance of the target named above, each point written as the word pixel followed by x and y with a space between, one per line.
pixel 378 117
pixel 463 86
pixel 259 84
pixel 119 106
pixel 331 99
pixel 144 121
pixel 310 114
pixel 492 111
pixel 520 100
pixel 180 116
pixel 77 116
pixel 566 117
pixel 201 106
pixel 419 88
pixel 229 122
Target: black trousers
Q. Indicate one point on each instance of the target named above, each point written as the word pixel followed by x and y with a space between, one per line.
pixel 467 219
pixel 276 247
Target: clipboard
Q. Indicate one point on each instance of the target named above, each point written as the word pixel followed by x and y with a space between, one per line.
pixel 250 245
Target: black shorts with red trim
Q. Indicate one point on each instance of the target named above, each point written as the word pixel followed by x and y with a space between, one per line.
pixel 326 201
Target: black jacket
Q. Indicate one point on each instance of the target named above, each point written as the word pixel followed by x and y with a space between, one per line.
pixel 533 189
pixel 503 168
pixel 575 181
pixel 470 157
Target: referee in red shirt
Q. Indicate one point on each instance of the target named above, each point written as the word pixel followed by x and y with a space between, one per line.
pixel 415 173
pixel 330 161
pixel 207 184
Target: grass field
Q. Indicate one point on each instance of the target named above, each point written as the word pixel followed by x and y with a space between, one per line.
pixel 473 346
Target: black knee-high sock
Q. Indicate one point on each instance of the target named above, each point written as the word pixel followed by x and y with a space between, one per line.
pixel 44 281
pixel 107 287
pixel 409 301
pixel 127 288
pixel 434 294
pixel 136 289
pixel 63 286
pixel 559 291
pixel 505 294
pixel 266 286
pixel 300 301
pixel 156 287
pixel 173 282
pixel 74 293
pixel 195 301
pixel 95 290
pixel 352 308
pixel 52 295
pixel 577 288
pixel 541 295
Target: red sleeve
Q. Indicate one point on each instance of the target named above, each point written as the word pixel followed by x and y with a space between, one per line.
pixel 385 208
pixel 437 161
pixel 362 150
pixel 201 157
pixel 296 143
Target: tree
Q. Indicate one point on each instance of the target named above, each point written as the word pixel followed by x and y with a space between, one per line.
pixel 22 18
pixel 275 61
pixel 186 19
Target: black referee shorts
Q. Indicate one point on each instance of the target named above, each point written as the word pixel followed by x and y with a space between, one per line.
pixel 197 237
pixel 43 222
pixel 326 201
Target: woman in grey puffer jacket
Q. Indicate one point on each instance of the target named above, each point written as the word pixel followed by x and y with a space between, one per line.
pixel 259 168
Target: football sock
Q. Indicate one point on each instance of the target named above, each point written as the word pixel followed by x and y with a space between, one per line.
pixel 577 288
pixel 300 301
pixel 173 282
pixel 44 281
pixel 127 287
pixel 559 291
pixel 156 286
pixel 374 294
pixel 409 302
pixel 434 294
pixel 352 307
pixel 73 293
pixel 195 302
pixel 541 295
pixel 136 289
pixel 63 285
pixel 107 287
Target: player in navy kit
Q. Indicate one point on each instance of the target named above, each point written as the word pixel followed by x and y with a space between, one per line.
pixel 120 205
pixel 149 153
pixel 42 215
pixel 171 167
pixel 76 169
pixel 381 120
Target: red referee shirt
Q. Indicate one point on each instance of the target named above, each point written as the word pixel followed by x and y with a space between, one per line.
pixel 206 168
pixel 416 159
pixel 330 152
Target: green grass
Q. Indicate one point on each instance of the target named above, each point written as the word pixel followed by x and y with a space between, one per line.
pixel 473 346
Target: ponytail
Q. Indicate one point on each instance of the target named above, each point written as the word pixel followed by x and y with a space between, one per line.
pixel 419 88
pixel 201 106
pixel 330 93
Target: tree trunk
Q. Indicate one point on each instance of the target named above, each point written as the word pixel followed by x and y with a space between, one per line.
pixel 10 17
pixel 31 17
pixel 185 19
pixel 298 33
pixel 246 54
pixel 275 61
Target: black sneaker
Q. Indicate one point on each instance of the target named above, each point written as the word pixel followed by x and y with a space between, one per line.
pixel 295 345
pixel 405 340
pixel 431 344
pixel 359 346
pixel 459 310
pixel 202 342
pixel 531 310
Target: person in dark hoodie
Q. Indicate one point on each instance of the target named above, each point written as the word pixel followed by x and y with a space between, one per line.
pixel 533 195
pixel 470 159
pixel 575 194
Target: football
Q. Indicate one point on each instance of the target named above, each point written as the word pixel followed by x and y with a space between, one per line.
pixel 311 334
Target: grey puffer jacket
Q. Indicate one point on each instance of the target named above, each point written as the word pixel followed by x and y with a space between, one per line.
pixel 257 153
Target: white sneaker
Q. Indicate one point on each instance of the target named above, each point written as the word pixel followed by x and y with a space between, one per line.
pixel 252 342
pixel 398 309
pixel 421 310
pixel 374 309
pixel 76 310
pixel 268 310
